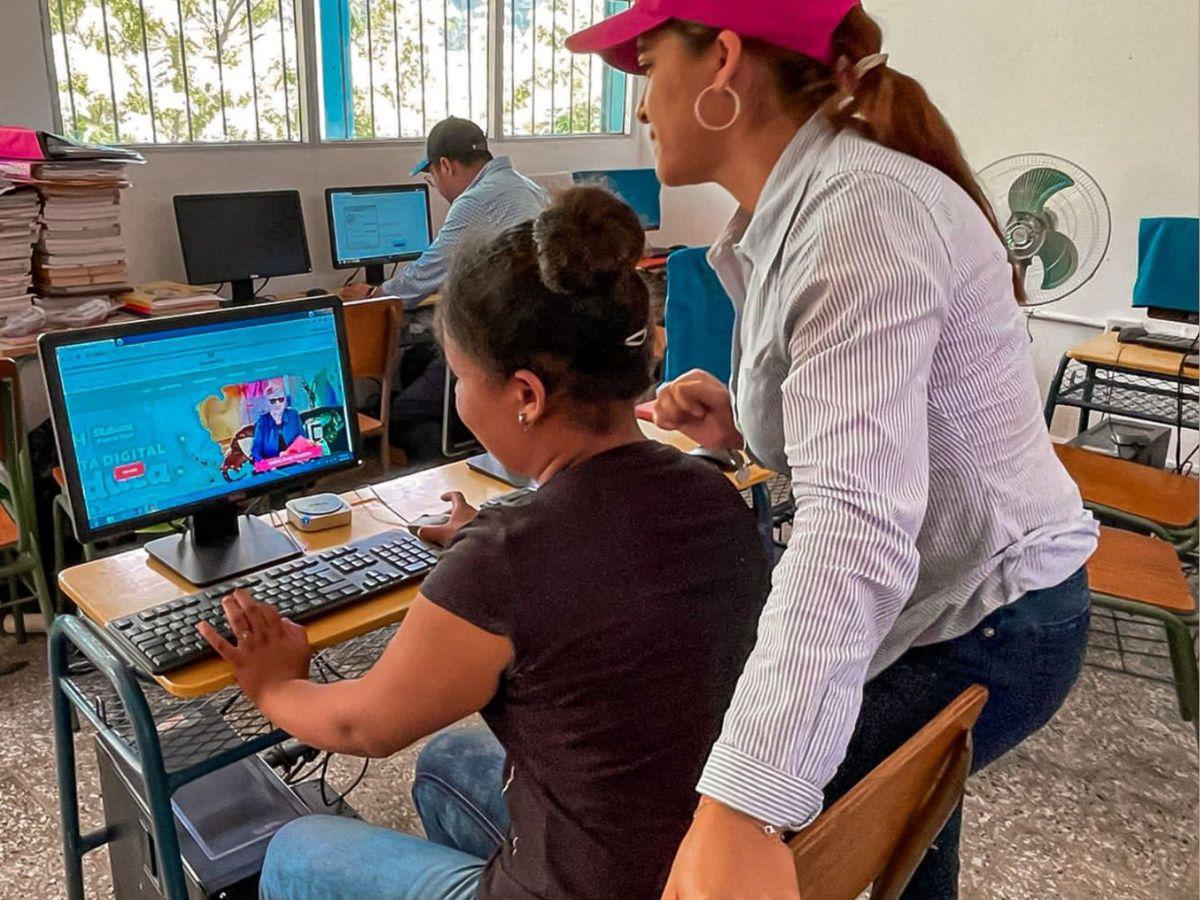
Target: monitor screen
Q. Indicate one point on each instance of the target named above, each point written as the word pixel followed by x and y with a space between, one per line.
pixel 378 224
pixel 156 418
pixel 235 237
pixel 639 188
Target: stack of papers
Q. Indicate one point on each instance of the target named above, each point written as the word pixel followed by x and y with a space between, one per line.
pixel 164 298
pixel 18 231
pixel 80 252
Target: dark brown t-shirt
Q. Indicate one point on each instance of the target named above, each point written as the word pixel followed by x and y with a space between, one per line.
pixel 630 586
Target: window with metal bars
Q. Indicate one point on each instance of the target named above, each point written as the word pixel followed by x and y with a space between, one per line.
pixel 394 68
pixel 548 90
pixel 176 71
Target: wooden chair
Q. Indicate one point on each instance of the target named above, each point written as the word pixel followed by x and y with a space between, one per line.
pixel 877 834
pixel 1140 576
pixel 1139 497
pixel 20 557
pixel 373 335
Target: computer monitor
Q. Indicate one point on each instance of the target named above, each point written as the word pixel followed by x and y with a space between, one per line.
pixel 1168 279
pixel 240 237
pixel 639 188
pixel 191 415
pixel 374 226
pixel 457 439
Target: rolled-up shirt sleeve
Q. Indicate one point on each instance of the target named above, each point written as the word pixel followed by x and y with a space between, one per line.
pixel 870 298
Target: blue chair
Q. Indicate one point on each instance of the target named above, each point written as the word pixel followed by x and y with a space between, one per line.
pixel 699 317
pixel 699 325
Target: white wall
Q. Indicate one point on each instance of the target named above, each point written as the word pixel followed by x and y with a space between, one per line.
pixel 1110 86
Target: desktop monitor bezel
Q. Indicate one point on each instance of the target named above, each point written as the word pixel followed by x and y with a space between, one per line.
pixel 375 189
pixel 194 277
pixel 50 342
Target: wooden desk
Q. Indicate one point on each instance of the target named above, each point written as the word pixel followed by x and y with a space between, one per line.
pixel 1105 350
pixel 1104 376
pixel 144 582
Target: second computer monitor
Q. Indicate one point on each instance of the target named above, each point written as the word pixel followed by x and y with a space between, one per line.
pixel 236 238
pixel 375 226
pixel 640 188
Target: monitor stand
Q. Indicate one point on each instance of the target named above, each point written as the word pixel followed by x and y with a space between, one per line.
pixel 220 544
pixel 241 291
pixel 374 274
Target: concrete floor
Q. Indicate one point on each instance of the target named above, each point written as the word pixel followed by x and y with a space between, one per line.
pixel 1101 803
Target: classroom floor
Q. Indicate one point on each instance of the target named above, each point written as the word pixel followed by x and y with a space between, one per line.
pixel 1100 803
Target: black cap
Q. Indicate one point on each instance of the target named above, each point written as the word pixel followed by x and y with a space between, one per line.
pixel 452 138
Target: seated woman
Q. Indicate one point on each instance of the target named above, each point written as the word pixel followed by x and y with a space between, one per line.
pixel 599 626
pixel 278 426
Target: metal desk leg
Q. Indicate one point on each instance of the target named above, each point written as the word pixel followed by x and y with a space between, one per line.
pixel 1055 387
pixel 1089 386
pixel 148 762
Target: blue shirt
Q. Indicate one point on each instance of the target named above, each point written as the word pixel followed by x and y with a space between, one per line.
pixel 267 434
pixel 498 198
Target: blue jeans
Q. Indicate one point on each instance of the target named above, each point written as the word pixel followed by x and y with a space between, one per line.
pixel 457 792
pixel 1027 654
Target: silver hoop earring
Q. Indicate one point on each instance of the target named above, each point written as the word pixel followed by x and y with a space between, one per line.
pixel 737 109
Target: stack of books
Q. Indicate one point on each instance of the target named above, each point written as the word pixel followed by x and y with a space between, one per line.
pixel 18 232
pixel 166 298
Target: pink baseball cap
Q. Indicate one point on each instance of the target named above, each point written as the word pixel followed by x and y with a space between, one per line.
pixel 805 26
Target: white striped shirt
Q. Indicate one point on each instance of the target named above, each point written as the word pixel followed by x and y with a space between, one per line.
pixel 880 358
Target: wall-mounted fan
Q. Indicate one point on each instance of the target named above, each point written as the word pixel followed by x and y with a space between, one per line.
pixel 1055 221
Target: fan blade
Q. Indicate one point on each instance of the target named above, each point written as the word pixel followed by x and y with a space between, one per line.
pixel 1059 259
pixel 1032 189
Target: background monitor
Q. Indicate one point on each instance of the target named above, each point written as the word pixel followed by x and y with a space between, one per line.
pixel 639 188
pixel 374 226
pixel 457 439
pixel 240 237
pixel 1168 279
pixel 188 415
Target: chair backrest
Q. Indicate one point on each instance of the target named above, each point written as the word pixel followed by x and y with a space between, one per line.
pixel 698 317
pixel 878 832
pixel 373 334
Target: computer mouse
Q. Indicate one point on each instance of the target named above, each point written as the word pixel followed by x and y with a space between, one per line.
pixel 428 521
pixel 722 459
pixel 316 292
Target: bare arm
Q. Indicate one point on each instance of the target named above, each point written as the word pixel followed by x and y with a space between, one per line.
pixel 436 670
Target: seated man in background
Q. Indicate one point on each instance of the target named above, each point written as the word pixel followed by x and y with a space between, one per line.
pixel 484 193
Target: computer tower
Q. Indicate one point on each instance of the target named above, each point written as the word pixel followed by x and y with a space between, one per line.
pixel 1139 442
pixel 224 821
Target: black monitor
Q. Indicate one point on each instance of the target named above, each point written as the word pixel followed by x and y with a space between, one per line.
pixel 374 226
pixel 191 415
pixel 457 440
pixel 240 237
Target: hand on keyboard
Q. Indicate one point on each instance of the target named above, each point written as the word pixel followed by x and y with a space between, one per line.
pixel 461 513
pixel 270 649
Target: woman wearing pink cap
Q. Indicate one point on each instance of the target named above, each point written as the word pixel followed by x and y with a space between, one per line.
pixel 880 358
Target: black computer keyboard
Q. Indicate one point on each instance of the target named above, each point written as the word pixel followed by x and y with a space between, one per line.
pixel 164 637
pixel 1175 342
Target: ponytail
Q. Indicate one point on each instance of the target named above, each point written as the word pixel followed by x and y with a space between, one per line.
pixel 882 104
